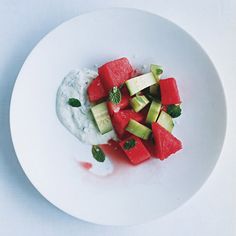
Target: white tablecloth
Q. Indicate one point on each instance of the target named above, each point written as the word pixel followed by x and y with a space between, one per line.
pixel 23 211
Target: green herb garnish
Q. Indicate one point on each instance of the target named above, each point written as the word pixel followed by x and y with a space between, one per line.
pixel 98 154
pixel 159 71
pixel 174 110
pixel 129 144
pixel 115 95
pixel 74 102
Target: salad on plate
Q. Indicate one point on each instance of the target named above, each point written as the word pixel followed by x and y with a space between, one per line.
pixel 120 106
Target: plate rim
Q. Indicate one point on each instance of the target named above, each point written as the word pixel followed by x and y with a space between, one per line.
pixel 41 40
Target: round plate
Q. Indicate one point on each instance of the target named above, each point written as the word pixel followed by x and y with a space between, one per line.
pixel 47 151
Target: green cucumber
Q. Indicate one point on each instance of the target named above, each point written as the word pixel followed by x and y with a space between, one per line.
pixel 102 118
pixel 139 102
pixel 153 112
pixel 138 129
pixel 165 120
pixel 156 71
pixel 139 83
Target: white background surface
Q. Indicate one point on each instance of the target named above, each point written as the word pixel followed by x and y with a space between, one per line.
pixel 23 211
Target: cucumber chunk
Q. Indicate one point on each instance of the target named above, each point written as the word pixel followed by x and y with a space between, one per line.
pixel 102 118
pixel 138 102
pixel 153 112
pixel 138 129
pixel 156 71
pixel 139 83
pixel 165 120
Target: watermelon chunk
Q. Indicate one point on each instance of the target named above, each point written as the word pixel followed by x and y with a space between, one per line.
pixel 149 144
pixel 121 119
pixel 165 143
pixel 115 73
pixel 138 153
pixel 96 90
pixel 169 92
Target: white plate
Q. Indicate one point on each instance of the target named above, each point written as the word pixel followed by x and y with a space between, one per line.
pixel 47 151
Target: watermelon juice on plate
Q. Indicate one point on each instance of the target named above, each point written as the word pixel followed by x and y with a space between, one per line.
pixel 135 110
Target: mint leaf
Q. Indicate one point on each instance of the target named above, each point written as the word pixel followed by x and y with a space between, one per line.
pixel 115 95
pixel 174 110
pixel 129 144
pixel 98 154
pixel 159 71
pixel 74 102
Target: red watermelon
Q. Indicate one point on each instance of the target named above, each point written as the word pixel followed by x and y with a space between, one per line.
pixel 96 90
pixel 115 73
pixel 136 154
pixel 165 143
pixel 114 108
pixel 169 92
pixel 149 144
pixel 121 119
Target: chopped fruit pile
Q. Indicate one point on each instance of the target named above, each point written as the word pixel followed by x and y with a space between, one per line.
pixel 140 109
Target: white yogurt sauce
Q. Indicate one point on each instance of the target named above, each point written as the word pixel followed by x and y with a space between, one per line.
pixel 79 120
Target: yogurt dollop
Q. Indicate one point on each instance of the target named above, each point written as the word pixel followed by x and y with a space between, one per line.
pixel 79 120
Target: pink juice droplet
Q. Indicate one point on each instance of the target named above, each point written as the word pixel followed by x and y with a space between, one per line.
pixel 86 165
